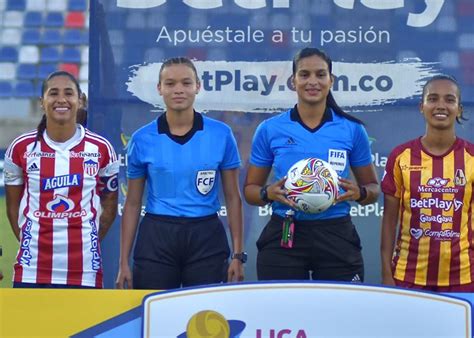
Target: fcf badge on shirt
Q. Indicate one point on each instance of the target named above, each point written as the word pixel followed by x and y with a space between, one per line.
pixel 337 159
pixel 205 181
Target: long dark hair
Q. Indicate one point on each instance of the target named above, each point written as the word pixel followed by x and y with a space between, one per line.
pixel 451 79
pixel 330 101
pixel 44 87
pixel 180 60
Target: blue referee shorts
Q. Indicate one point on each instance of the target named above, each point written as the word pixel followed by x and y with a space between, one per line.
pixel 171 252
pixel 327 250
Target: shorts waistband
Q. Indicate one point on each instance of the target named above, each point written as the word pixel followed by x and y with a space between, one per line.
pixel 179 219
pixel 317 222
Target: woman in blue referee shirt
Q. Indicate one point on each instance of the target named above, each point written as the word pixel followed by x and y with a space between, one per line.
pixel 181 157
pixel 326 246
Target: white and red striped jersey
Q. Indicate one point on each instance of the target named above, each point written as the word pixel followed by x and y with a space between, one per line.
pixel 60 206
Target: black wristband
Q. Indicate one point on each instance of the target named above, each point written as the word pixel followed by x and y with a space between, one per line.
pixel 264 194
pixel 363 194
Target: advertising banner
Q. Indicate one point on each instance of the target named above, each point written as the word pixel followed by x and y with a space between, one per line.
pixel 383 51
pixel 260 310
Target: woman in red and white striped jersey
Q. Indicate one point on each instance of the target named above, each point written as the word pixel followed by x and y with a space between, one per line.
pixel 61 193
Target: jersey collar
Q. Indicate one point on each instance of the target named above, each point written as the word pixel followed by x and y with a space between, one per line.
pixel 295 116
pixel 164 128
pixel 67 145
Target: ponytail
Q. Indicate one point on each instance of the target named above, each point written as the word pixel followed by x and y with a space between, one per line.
pixel 40 129
pixel 331 103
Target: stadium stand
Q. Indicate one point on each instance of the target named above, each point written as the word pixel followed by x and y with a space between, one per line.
pixel 8 54
pixel 38 37
pixel 6 89
pixel 75 20
pixel 35 5
pixel 71 68
pixel 30 37
pixel 28 54
pixel 51 37
pixel 25 89
pixel 49 54
pixel 16 5
pixel 54 19
pixel 77 5
pixel 71 55
pixel 45 69
pixel 7 71
pixel 26 71
pixel 33 19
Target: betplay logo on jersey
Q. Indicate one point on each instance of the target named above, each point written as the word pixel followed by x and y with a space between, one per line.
pixel 205 181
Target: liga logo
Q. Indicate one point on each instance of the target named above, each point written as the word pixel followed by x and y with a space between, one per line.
pixel 205 180
pixel 209 323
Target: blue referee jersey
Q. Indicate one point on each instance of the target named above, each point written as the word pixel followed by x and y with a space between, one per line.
pixel 283 140
pixel 182 172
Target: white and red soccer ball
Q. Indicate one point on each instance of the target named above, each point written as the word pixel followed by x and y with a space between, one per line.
pixel 312 184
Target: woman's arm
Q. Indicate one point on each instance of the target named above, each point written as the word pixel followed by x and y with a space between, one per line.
pixel 387 242
pixel 108 202
pixel 230 185
pixel 256 180
pixel 13 195
pixel 130 217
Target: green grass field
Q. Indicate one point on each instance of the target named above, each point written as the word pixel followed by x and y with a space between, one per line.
pixel 9 245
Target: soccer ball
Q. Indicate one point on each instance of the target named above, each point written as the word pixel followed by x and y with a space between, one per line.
pixel 312 184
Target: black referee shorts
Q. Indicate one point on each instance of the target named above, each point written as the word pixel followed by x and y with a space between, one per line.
pixel 322 250
pixel 171 252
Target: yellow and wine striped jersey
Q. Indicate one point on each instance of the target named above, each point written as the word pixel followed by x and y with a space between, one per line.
pixel 435 237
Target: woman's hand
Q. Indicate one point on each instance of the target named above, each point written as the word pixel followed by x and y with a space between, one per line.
pixel 277 192
pixel 352 190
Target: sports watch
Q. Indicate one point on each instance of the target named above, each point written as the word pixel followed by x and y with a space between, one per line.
pixel 264 194
pixel 363 194
pixel 241 256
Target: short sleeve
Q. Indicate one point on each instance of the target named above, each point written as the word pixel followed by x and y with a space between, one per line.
pixel 360 155
pixel 135 166
pixel 261 153
pixel 231 158
pixel 12 170
pixel 112 165
pixel 12 174
pixel 392 180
